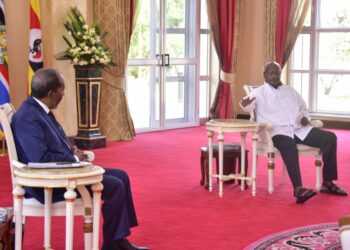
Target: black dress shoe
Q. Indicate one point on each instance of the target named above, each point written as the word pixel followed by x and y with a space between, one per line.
pixel 331 188
pixel 127 245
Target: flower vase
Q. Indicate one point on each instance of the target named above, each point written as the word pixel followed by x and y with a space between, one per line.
pixel 88 79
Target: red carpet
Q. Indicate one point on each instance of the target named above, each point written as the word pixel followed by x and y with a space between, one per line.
pixel 175 212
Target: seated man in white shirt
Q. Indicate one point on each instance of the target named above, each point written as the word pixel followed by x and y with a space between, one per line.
pixel 283 107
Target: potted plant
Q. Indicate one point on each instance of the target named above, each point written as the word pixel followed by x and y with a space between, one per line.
pixel 89 56
pixel 87 47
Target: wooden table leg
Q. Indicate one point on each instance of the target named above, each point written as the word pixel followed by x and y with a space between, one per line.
pixel 97 191
pixel 254 160
pixel 210 159
pixel 47 218
pixel 243 143
pixel 70 196
pixel 221 163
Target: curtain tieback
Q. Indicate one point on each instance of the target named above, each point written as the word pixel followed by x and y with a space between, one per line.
pixel 227 77
pixel 113 80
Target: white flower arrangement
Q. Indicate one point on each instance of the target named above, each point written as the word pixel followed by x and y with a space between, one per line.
pixel 87 48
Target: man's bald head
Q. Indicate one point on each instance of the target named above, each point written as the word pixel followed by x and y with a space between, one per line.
pixel 272 73
pixel 272 64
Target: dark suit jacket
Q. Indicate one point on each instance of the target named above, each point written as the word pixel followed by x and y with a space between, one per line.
pixel 39 139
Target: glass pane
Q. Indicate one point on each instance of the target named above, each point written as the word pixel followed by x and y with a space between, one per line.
pixel 204 55
pixel 334 50
pixel 175 14
pixel 145 38
pixel 334 13
pixel 175 98
pixel 179 94
pixel 301 53
pixel 180 24
pixel 175 24
pixel 175 45
pixel 203 99
pixel 174 92
pixel 204 16
pixel 143 96
pixel 333 93
pixel 300 82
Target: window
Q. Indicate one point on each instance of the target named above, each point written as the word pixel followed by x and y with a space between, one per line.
pixel 168 65
pixel 320 62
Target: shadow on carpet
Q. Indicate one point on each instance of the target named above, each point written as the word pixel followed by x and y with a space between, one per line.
pixel 313 237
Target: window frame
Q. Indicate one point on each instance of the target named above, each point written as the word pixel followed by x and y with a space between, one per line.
pixel 314 31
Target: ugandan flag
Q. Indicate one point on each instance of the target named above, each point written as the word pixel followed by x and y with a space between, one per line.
pixel 35 43
pixel 4 76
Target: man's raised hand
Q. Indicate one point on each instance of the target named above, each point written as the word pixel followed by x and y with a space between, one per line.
pixel 246 101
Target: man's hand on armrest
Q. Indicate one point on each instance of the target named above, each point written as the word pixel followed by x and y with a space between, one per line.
pixel 316 123
pixel 80 154
pixel 304 121
pixel 265 126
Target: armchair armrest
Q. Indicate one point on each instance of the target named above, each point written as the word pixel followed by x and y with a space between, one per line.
pixel 316 123
pixel 265 134
pixel 18 164
pixel 90 156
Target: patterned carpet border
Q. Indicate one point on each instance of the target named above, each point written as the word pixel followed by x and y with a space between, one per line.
pixel 313 237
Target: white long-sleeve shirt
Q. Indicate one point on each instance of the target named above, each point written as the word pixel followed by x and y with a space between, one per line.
pixel 282 107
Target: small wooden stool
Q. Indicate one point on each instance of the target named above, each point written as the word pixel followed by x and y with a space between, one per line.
pixel 6 233
pixel 232 153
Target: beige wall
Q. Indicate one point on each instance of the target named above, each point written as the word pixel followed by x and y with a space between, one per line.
pixel 53 14
pixel 17 22
pixel 250 58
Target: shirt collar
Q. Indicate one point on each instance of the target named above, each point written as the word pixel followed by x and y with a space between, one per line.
pixel 267 84
pixel 45 108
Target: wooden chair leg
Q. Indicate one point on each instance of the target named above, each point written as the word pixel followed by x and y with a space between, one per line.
pixel 206 172
pixel 318 164
pixel 245 165
pixel 202 161
pixel 271 167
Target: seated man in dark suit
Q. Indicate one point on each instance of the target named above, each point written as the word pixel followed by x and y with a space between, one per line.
pixel 39 138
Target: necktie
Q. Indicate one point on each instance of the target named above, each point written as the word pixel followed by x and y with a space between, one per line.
pixel 63 135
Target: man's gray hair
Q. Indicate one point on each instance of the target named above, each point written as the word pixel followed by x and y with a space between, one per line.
pixel 43 81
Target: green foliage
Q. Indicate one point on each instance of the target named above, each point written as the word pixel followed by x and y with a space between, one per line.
pixel 87 47
pixel 146 30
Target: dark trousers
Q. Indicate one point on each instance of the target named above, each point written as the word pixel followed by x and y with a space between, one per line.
pixel 325 140
pixel 117 209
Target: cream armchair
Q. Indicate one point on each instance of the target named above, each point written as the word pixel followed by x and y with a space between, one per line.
pixel 31 207
pixel 266 149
